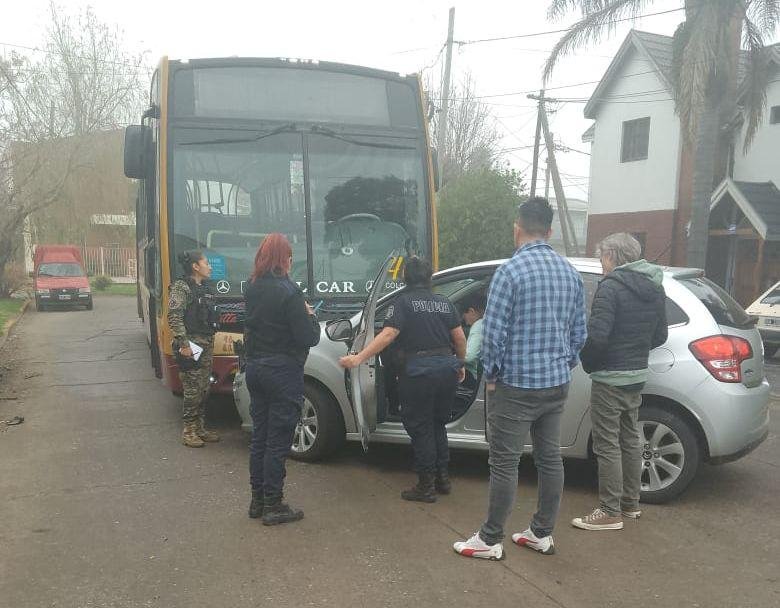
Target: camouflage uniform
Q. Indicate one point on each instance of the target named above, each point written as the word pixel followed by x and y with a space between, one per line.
pixel 195 382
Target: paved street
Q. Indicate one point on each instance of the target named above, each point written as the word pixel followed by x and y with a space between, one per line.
pixel 101 506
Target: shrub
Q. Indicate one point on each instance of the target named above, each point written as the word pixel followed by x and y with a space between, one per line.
pixel 102 282
pixel 12 279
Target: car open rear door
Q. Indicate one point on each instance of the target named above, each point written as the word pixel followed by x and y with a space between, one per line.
pixel 363 378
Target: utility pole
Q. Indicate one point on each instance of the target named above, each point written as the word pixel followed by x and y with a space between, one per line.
pixel 445 96
pixel 567 227
pixel 546 178
pixel 537 139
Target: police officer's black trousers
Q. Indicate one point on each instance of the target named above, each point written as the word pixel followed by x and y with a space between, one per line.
pixel 275 385
pixel 426 405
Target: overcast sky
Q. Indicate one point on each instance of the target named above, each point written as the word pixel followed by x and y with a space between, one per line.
pixel 399 35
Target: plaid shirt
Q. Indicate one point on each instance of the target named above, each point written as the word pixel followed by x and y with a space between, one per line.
pixel 534 324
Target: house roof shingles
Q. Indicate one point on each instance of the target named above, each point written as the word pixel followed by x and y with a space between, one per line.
pixel 659 50
pixel 764 197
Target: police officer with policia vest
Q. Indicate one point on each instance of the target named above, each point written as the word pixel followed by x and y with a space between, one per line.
pixel 192 320
pixel 428 330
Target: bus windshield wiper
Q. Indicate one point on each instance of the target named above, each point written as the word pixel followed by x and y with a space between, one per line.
pixel 320 130
pixel 288 128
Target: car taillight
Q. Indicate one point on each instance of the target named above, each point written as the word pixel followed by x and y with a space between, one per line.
pixel 722 356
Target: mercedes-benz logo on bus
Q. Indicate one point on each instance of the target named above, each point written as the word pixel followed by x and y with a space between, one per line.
pixel 223 287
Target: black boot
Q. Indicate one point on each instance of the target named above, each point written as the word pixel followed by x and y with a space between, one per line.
pixel 277 512
pixel 424 491
pixel 442 482
pixel 256 506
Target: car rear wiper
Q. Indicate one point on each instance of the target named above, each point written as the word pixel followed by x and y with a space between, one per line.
pixel 320 130
pixel 288 128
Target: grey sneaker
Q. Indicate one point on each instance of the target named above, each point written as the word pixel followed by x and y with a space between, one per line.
pixel 631 513
pixel 598 520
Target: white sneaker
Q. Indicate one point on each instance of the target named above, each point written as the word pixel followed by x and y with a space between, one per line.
pixel 476 547
pixel 545 545
pixel 632 514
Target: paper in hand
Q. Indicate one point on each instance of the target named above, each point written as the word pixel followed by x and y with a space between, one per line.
pixel 197 351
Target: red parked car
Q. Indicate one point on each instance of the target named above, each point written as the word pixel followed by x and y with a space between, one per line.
pixel 59 278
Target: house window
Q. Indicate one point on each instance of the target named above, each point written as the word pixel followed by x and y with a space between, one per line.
pixel 636 138
pixel 774 115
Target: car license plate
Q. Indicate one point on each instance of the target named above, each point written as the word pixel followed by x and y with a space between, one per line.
pixel 64 297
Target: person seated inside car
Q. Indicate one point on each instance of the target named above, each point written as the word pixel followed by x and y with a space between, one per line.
pixel 473 308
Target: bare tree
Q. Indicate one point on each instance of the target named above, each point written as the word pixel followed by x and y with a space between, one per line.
pixel 472 138
pixel 82 82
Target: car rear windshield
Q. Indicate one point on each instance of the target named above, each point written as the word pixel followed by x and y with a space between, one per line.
pixel 60 269
pixel 773 297
pixel 724 309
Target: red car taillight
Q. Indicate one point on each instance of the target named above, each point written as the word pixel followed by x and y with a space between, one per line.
pixel 722 356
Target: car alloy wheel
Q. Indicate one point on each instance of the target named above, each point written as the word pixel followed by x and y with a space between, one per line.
pixel 307 428
pixel 663 456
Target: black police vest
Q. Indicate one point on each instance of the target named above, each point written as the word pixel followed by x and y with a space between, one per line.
pixel 200 317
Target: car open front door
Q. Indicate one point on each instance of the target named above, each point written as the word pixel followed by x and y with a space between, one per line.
pixel 363 378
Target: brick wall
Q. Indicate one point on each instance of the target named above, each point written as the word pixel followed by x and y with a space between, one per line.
pixel 655 228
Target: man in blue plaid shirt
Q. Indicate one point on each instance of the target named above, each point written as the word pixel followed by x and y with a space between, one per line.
pixel 534 328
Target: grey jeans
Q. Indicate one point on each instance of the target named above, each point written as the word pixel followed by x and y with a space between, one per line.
pixel 512 413
pixel 614 412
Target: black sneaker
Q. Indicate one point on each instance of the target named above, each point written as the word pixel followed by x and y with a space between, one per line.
pixel 280 513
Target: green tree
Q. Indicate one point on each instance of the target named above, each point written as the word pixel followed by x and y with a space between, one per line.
pixel 475 214
pixel 707 48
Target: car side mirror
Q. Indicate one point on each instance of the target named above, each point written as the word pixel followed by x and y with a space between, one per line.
pixel 339 330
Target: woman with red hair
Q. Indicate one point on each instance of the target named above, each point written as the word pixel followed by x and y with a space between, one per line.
pixel 280 329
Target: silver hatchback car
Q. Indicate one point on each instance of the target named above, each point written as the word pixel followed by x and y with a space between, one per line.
pixel 707 399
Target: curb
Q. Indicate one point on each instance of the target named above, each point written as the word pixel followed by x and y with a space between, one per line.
pixel 12 324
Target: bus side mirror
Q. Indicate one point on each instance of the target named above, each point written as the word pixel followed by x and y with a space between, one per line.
pixel 435 163
pixel 139 151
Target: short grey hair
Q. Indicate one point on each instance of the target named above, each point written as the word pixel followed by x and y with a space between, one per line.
pixel 620 248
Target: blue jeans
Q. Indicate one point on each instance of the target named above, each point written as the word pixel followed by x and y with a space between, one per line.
pixel 275 385
pixel 512 413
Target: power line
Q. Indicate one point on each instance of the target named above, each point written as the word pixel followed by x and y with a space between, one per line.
pixel 567 86
pixel 436 60
pixel 564 30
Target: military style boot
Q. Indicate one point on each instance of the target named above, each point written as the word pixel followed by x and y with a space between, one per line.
pixel 256 506
pixel 424 491
pixel 189 435
pixel 277 512
pixel 207 436
pixel 442 482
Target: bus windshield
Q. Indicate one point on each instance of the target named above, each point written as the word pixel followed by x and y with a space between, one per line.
pixel 366 199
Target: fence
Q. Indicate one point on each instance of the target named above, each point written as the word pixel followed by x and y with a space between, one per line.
pixel 115 262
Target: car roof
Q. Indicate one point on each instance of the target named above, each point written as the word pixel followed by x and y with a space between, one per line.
pixel 581 264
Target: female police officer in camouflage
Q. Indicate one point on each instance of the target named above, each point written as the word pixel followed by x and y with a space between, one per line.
pixel 188 317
